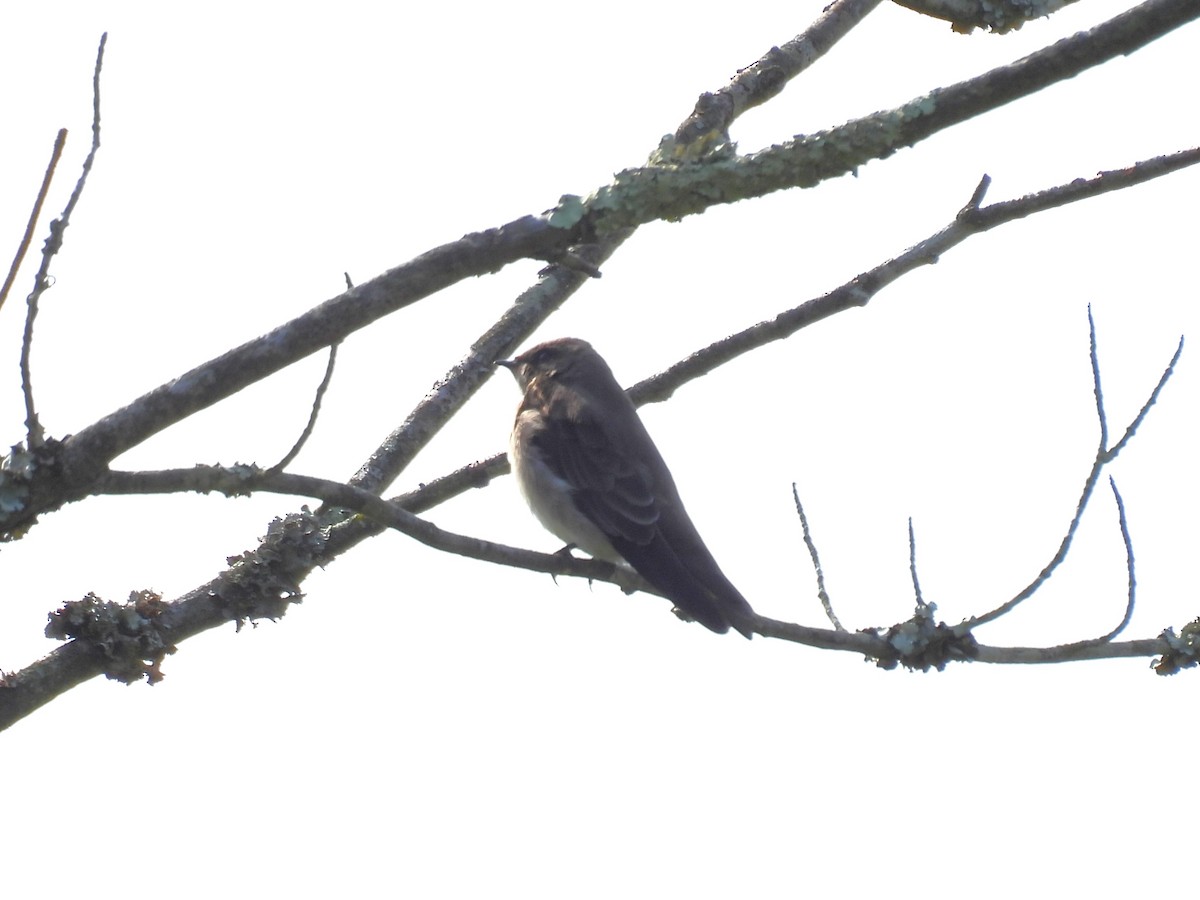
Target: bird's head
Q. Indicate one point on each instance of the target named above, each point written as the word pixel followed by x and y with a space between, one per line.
pixel 562 360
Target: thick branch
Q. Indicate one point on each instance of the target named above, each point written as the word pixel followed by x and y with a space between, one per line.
pixel 707 127
pixel 86 453
pixel 223 600
pixel 650 193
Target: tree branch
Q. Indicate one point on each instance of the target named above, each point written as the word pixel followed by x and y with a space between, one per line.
pixel 23 247
pixel 1104 456
pixel 706 130
pixel 646 194
pixel 535 304
pixel 247 479
pixel 34 432
pixel 972 219
pixel 262 583
pixel 859 291
pixel 609 212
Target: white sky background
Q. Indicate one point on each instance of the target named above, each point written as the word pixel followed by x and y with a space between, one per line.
pixel 428 726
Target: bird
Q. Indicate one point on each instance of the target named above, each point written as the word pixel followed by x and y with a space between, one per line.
pixel 593 476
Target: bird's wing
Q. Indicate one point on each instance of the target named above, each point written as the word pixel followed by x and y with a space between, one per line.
pixel 616 490
pixel 612 489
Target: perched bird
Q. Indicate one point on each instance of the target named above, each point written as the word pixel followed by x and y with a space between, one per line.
pixel 592 475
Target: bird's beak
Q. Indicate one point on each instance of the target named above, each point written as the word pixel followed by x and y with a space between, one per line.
pixel 515 367
pixel 519 372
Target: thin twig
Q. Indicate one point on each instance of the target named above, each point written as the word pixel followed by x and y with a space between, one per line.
pixel 1136 423
pixel 34 432
pixel 1096 381
pixel 316 404
pixel 822 594
pixel 912 563
pixel 313 413
pixel 1132 590
pixel 59 142
pixel 1103 457
pixel 972 206
pixel 1055 561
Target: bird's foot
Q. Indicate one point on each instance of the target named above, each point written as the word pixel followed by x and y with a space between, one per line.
pixel 563 551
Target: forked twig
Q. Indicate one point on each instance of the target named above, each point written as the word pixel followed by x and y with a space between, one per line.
pixel 1104 456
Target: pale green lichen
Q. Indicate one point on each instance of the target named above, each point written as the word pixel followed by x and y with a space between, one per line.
pixel 16 472
pixel 126 634
pixel 567 213
pixel 671 192
pixel 1184 649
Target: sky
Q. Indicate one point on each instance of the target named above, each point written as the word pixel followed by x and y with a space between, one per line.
pixel 429 726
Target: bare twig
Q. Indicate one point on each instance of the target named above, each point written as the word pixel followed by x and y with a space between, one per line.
pixel 1100 415
pixel 315 411
pixel 1132 589
pixel 59 142
pixel 1103 457
pixel 860 290
pixel 35 432
pixel 822 594
pixel 312 416
pixel 912 563
pixel 1140 417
